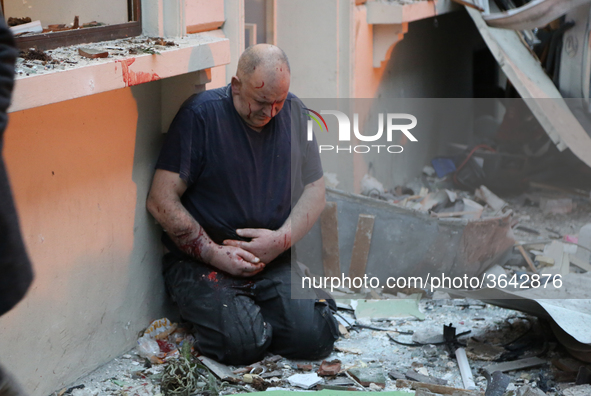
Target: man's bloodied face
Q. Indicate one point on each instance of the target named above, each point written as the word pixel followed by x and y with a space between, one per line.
pixel 259 96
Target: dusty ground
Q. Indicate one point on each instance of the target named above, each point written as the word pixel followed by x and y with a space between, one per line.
pixel 128 374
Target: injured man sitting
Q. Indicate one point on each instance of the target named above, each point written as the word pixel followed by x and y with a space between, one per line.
pixel 234 189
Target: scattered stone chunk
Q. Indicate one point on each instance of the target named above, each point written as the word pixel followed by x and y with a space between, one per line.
pixel 556 206
pixel 483 351
pixel 528 390
pixel 35 54
pixel 396 375
pixel 305 381
pixel 497 384
pixel 515 365
pixel 92 53
pixel 18 21
pixel 220 370
pixel 579 390
pixel 366 376
pixel 414 376
pixel 329 368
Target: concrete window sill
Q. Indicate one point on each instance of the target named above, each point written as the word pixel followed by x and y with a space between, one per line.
pixel 40 86
pixel 392 12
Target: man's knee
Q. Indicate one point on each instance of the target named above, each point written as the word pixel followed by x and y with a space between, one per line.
pixel 311 339
pixel 246 346
pixel 243 336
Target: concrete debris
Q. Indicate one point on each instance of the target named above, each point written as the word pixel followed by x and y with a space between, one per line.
pixel 331 180
pixel 343 331
pixel 397 375
pixel 366 376
pixel 483 351
pixel 66 58
pixel 330 368
pixel 428 336
pixel 515 365
pixel 92 53
pixel 556 206
pixel 579 390
pixel 418 377
pixel 371 187
pixel 490 198
pixel 528 390
pixel 17 21
pixel 305 381
pixel 31 27
pixel 220 370
pixel 497 384
pixel 428 367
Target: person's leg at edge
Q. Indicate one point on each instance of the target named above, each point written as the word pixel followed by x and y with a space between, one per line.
pixel 8 385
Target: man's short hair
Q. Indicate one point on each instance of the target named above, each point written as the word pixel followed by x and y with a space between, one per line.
pixel 251 59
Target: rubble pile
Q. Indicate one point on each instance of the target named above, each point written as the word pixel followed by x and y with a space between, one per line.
pixel 413 350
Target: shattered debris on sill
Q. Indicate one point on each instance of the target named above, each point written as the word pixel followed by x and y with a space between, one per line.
pixel 35 62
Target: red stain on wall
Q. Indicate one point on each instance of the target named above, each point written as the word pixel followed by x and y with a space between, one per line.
pixel 131 78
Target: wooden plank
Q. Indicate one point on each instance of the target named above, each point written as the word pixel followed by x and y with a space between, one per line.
pixel 53 40
pixel 361 246
pixel 47 41
pixel 536 88
pixel 440 389
pixel 527 259
pixel 330 240
pixel 515 365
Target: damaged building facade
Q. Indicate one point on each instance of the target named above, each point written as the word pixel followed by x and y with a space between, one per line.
pixel 84 135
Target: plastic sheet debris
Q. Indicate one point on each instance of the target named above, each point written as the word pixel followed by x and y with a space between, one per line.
pixel 161 340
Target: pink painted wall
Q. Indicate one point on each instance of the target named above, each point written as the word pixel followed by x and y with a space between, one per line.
pixel 80 171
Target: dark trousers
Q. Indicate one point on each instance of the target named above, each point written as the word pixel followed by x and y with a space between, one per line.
pixel 237 320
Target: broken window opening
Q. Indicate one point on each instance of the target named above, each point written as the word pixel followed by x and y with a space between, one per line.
pixel 127 23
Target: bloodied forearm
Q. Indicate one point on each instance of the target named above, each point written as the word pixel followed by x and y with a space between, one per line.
pixel 305 213
pixel 164 203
